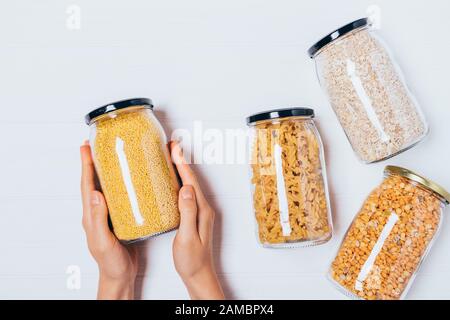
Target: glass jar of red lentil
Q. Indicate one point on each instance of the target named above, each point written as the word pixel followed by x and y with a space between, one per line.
pixel 390 236
pixel 132 161
pixel 289 184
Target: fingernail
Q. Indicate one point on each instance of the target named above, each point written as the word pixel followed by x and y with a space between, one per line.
pixel 186 194
pixel 95 199
pixel 86 142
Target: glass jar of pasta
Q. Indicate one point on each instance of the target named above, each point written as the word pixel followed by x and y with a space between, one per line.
pixel 132 161
pixel 390 236
pixel 290 193
pixel 368 92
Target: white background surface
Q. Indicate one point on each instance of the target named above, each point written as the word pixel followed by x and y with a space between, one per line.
pixel 216 61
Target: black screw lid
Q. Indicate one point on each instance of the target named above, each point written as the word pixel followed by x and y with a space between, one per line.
pixel 337 34
pixel 281 113
pixel 122 104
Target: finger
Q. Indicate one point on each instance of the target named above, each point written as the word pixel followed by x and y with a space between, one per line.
pixel 188 212
pixel 206 224
pixel 87 173
pixel 205 215
pixel 96 218
pixel 186 174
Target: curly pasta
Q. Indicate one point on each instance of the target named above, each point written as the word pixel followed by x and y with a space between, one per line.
pixel 305 192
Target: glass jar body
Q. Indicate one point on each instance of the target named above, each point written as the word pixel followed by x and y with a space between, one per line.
pixel 367 91
pixel 387 241
pixel 289 186
pixel 137 178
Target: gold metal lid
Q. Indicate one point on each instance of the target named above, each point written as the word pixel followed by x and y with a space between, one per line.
pixel 428 184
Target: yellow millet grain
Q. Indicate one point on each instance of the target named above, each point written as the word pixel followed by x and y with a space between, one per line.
pixel 152 175
pixel 304 183
pixel 419 216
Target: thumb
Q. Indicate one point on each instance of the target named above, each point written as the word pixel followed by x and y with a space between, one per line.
pixel 98 213
pixel 188 210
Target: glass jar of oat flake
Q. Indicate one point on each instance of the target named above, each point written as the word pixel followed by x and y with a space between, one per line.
pixel 289 186
pixel 367 91
pixel 132 161
pixel 389 237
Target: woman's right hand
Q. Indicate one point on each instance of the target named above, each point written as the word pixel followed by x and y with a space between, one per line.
pixel 192 247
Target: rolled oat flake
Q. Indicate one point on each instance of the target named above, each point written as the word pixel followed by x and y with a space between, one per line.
pixel 367 91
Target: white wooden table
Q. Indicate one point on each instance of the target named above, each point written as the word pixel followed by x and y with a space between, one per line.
pixel 212 61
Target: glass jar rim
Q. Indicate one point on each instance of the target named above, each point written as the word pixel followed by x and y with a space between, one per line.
pixel 118 105
pixel 274 114
pixel 337 34
pixel 426 183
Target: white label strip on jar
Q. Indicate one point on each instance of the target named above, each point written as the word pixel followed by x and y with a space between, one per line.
pixel 365 100
pixel 128 182
pixel 365 270
pixel 281 192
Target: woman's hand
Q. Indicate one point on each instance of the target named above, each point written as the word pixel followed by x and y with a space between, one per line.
pixel 117 264
pixel 192 247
